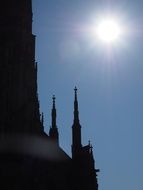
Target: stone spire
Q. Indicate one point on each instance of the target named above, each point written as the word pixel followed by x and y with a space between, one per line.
pixel 76 129
pixel 76 113
pixel 53 133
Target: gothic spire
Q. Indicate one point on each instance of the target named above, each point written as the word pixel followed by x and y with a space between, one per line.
pixel 76 129
pixel 54 113
pixel 53 133
pixel 76 112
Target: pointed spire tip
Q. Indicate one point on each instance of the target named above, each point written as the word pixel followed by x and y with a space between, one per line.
pixel 54 97
pixel 75 89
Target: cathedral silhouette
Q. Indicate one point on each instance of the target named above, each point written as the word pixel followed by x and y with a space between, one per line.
pixel 30 158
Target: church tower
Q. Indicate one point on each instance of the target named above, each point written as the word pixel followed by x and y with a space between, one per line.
pixel 19 112
pixel 33 162
pixel 53 133
pixel 76 129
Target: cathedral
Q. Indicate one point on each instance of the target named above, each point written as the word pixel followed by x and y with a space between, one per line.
pixel 30 158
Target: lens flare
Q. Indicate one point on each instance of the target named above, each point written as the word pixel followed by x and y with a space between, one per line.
pixel 108 30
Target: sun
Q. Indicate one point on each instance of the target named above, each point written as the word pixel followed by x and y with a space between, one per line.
pixel 108 30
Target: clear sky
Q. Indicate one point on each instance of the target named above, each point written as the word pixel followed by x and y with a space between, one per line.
pixel 110 82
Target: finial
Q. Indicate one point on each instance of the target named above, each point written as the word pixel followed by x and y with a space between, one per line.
pixel 54 98
pixel 75 89
pixel 91 150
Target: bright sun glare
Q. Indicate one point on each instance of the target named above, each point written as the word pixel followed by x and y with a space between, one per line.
pixel 108 30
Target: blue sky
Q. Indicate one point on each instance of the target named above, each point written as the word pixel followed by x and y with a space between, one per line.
pixel 110 83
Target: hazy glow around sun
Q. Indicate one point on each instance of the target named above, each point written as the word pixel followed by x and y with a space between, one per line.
pixel 108 30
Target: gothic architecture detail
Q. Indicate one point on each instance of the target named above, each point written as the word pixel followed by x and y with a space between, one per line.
pixel 30 158
pixel 18 70
pixel 53 133
pixel 76 129
pixel 82 155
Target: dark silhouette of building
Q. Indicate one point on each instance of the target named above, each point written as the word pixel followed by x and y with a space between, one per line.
pixel 29 158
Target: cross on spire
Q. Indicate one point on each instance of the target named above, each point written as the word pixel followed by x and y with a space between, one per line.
pixel 54 98
pixel 75 89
